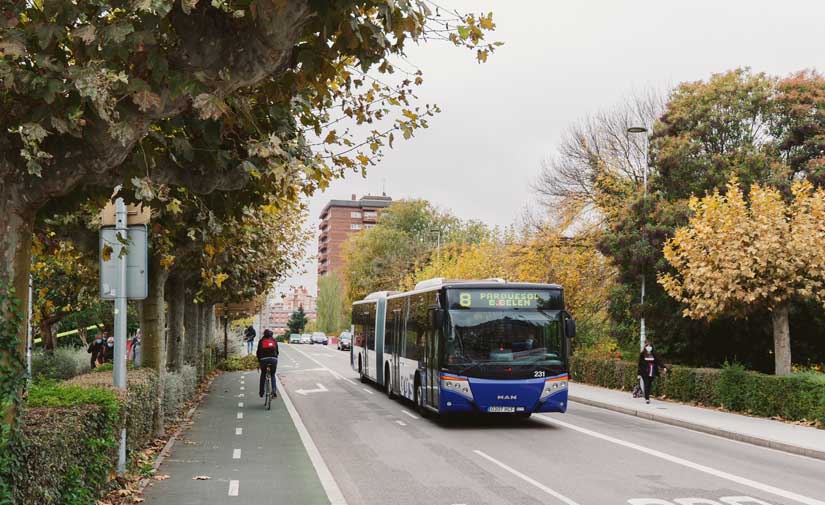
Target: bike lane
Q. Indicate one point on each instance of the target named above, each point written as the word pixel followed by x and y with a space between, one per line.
pixel 250 455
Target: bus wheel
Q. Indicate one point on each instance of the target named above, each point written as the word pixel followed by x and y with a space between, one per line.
pixel 419 399
pixel 361 370
pixel 388 382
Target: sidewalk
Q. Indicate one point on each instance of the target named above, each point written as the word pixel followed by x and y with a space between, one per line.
pixel 249 456
pixel 786 437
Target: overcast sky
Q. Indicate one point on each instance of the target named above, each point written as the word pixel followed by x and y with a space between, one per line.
pixel 563 60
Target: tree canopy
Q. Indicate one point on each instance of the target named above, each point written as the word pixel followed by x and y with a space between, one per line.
pixel 738 255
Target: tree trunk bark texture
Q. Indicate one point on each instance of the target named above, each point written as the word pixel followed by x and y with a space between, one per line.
pixel 177 302
pixel 16 226
pixel 200 339
pixel 781 340
pixel 154 342
pixel 190 324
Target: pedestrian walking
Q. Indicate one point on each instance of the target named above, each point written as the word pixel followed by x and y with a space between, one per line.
pixel 649 367
pixel 134 348
pixel 249 338
pixel 109 350
pixel 95 348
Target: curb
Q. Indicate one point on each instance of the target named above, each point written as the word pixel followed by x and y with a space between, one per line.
pixel 731 435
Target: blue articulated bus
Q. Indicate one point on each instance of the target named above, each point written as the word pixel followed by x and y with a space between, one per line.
pixel 467 346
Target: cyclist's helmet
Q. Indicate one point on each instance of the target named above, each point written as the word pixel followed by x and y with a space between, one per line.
pixel 267 333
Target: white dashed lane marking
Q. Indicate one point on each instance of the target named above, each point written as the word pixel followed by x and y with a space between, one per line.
pixel 234 487
pixel 238 431
pixel 240 415
pixel 240 405
pixel 400 423
pixel 236 454
pixel 413 416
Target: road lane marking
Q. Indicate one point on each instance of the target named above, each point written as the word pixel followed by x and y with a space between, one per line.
pixel 238 431
pixel 368 391
pixel 333 372
pixel 324 475
pixel 236 454
pixel 242 388
pixel 240 405
pixel 240 415
pixel 400 423
pixel 690 464
pixel 409 414
pixel 234 487
pixel 527 479
pixel 241 395
pixel 304 392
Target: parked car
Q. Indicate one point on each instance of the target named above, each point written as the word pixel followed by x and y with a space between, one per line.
pixel 306 338
pixel 345 341
pixel 319 338
pixel 294 338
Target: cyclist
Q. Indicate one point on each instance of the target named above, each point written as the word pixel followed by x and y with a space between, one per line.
pixel 267 354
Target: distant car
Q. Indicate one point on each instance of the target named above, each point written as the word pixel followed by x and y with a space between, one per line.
pixel 294 338
pixel 319 338
pixel 306 338
pixel 345 341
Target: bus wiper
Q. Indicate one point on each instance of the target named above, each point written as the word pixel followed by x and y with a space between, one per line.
pixel 466 369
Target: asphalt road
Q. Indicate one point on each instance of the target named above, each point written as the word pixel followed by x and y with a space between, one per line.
pixel 379 452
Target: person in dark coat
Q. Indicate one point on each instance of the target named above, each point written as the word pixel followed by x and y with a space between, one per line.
pixel 649 367
pixel 249 337
pixel 96 349
pixel 267 354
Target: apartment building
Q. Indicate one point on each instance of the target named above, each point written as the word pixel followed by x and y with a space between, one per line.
pixel 339 219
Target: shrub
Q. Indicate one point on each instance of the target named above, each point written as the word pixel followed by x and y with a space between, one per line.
pixel 236 363
pixel 138 406
pixel 63 363
pixel 65 448
pixel 799 397
pixel 178 389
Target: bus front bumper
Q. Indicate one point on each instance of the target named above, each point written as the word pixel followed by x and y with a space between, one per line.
pixel 464 394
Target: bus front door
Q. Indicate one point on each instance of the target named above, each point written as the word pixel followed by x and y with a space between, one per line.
pixel 433 379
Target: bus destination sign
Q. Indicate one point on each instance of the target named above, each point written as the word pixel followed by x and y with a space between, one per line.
pixel 503 299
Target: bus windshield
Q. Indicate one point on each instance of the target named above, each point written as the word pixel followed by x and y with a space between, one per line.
pixel 479 338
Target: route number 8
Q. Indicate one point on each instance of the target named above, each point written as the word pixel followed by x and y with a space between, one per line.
pixel 465 300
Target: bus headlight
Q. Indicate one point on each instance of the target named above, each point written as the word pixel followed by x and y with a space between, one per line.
pixel 552 386
pixel 457 385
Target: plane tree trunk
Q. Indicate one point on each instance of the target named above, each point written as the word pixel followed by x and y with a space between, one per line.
pixel 152 321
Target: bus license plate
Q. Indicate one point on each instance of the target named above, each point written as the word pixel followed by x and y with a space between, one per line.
pixel 501 409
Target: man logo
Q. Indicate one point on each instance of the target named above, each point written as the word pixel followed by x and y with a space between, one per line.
pixel 507 397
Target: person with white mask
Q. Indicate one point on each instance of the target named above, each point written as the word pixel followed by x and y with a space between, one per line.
pixel 649 367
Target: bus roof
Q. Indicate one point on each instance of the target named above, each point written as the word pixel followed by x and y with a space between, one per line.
pixel 448 284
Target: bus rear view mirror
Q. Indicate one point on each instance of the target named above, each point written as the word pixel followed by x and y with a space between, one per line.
pixel 437 318
pixel 570 328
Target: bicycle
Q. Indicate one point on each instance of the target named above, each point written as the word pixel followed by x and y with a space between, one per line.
pixel 268 387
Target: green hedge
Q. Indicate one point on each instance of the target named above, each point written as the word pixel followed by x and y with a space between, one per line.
pixel 236 363
pixel 795 398
pixel 65 450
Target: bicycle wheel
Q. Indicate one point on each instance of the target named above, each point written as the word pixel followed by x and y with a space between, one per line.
pixel 267 391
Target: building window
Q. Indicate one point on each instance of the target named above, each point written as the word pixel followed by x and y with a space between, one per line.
pixel 369 225
pixel 355 215
pixel 355 226
pixel 370 214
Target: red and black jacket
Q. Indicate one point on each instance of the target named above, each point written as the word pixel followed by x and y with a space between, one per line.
pixel 267 348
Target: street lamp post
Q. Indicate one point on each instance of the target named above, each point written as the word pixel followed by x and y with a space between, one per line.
pixel 642 332
pixel 437 233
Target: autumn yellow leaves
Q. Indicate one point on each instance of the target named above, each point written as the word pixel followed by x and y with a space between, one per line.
pixel 743 253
